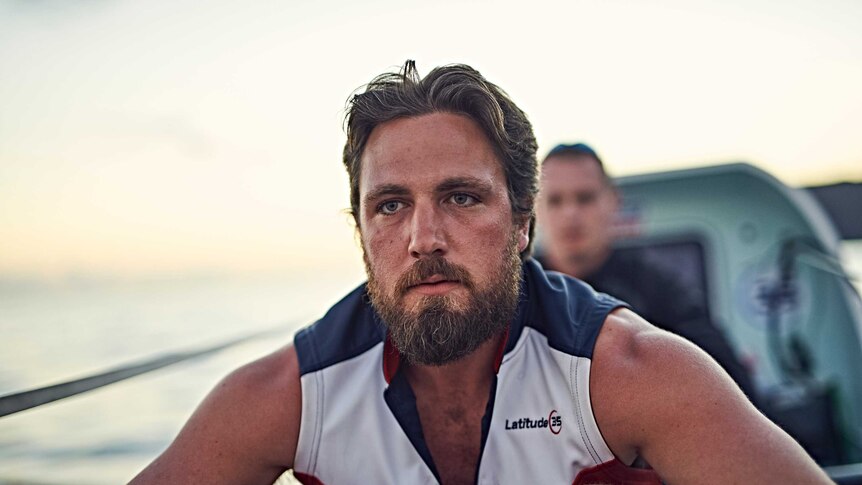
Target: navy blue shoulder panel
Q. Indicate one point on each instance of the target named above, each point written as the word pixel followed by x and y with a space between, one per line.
pixel 348 329
pixel 564 309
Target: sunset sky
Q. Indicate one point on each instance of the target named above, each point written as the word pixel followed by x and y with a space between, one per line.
pixel 142 138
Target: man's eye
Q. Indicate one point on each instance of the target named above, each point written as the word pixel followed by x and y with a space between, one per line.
pixel 389 207
pixel 463 200
pixel 587 198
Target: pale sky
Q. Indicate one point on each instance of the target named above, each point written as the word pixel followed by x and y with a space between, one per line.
pixel 157 137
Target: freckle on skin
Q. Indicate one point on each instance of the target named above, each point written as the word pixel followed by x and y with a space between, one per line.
pixel 454 414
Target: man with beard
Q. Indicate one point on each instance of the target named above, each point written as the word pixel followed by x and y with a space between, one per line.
pixel 461 360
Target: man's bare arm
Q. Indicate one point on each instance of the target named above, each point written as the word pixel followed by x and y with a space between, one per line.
pixel 244 432
pixel 659 396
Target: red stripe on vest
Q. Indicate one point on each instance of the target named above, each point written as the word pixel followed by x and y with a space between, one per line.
pixel 498 359
pixel 306 479
pixel 391 360
pixel 614 472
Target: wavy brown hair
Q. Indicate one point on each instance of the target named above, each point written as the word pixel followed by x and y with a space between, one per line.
pixel 455 88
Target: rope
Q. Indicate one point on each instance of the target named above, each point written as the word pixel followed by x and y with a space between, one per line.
pixel 21 401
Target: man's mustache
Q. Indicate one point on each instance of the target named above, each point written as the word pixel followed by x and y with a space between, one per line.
pixel 425 268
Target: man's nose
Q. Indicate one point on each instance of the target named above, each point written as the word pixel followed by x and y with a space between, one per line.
pixel 427 235
pixel 570 209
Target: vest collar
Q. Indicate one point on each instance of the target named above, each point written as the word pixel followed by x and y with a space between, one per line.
pixel 392 357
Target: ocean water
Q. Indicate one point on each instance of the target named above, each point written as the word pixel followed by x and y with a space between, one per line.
pixel 57 332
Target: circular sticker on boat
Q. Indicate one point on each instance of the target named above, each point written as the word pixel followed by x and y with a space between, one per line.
pixel 760 293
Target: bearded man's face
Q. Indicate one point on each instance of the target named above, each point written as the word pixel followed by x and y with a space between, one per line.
pixel 439 239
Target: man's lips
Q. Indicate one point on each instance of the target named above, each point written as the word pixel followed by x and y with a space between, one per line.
pixel 571 236
pixel 433 279
pixel 572 232
pixel 435 285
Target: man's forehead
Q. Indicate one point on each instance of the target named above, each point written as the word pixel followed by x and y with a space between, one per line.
pixel 428 148
pixel 580 166
pixel 454 130
pixel 387 179
pixel 570 174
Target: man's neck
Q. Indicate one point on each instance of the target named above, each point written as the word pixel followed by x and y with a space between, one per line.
pixel 451 401
pixel 472 373
pixel 579 266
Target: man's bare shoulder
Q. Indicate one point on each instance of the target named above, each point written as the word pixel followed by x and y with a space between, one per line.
pixel 269 391
pixel 657 395
pixel 266 379
pixel 245 431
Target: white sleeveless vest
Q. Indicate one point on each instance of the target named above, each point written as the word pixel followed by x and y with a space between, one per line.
pixel 359 419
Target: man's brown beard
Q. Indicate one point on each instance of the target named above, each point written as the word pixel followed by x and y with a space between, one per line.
pixel 438 329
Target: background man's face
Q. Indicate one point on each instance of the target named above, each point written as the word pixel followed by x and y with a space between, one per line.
pixel 576 211
pixel 440 245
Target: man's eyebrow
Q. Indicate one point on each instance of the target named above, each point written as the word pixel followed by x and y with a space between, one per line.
pixel 471 183
pixel 385 190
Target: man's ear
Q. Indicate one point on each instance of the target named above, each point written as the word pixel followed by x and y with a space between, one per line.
pixel 357 230
pixel 617 198
pixel 523 236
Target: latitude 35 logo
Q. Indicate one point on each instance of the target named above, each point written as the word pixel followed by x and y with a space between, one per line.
pixel 553 422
